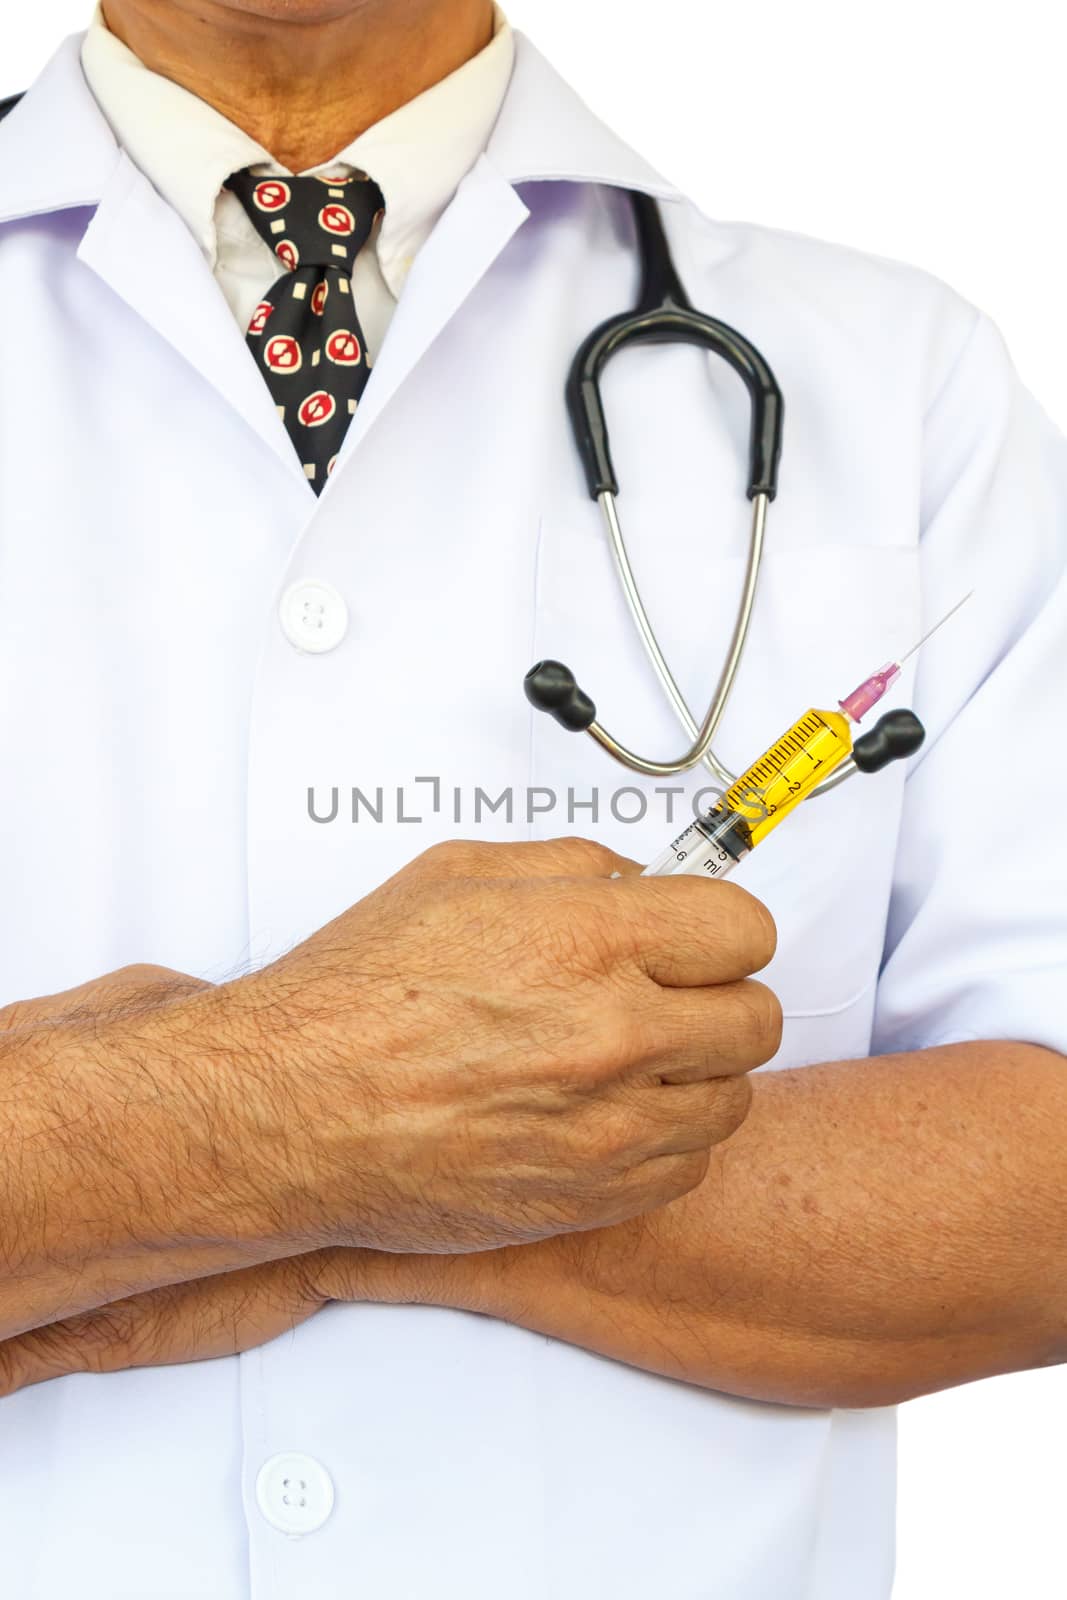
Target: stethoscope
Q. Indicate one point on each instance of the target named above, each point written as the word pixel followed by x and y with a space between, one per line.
pixel 664 315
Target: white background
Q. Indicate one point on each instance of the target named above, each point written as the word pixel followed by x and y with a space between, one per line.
pixel 932 131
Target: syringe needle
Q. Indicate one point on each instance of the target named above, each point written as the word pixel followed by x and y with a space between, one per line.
pixel 857 704
pixel 930 633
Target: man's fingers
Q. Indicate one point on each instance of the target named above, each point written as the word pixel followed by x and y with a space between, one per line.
pixel 221 1315
pixel 695 1116
pixel 686 1035
pixel 348 1273
pixel 689 931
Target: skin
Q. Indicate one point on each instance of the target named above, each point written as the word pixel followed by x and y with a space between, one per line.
pixel 500 1043
pixel 870 1232
pixel 867 1235
pixel 848 1234
pixel 303 77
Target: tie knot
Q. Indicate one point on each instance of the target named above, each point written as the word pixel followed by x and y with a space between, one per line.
pixel 310 222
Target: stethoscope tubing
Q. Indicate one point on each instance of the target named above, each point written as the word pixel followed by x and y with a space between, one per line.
pixel 664 315
pixel 700 750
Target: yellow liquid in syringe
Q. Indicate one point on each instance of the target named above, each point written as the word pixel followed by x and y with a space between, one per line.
pixel 762 796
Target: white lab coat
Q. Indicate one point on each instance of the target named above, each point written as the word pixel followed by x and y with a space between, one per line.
pixel 161 731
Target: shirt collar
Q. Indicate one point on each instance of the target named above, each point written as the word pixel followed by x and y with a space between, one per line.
pixel 58 152
pixel 418 155
pixel 184 146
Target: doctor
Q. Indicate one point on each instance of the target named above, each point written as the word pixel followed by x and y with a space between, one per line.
pixel 387 1221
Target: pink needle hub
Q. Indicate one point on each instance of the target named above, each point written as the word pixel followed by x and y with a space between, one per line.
pixel 857 704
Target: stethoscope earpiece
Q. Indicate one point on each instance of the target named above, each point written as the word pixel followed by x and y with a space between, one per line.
pixel 894 737
pixel 551 687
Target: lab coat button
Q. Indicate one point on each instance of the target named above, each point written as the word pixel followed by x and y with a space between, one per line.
pixel 313 615
pixel 294 1493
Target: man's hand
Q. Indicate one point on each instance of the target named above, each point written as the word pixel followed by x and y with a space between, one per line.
pixel 500 1044
pixel 231 1312
pixel 503 1043
pixel 221 1315
pixel 218 1316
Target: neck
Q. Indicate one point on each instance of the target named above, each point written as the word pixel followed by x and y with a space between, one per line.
pixel 303 85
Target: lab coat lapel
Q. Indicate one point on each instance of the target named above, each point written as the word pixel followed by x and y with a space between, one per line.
pixel 60 154
pixel 482 217
pixel 544 131
pixel 139 246
pixel 58 150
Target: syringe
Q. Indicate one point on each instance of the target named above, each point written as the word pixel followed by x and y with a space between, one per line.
pixel 795 764
pixel 713 844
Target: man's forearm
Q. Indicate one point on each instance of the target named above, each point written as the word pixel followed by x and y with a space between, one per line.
pixel 873 1231
pixel 876 1230
pixel 119 1164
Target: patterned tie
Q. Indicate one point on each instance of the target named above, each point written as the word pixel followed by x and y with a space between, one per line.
pixel 305 334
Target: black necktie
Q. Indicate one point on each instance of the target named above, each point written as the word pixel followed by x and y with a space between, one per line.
pixel 305 334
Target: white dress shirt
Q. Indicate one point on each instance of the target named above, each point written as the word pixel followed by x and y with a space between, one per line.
pixel 417 156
